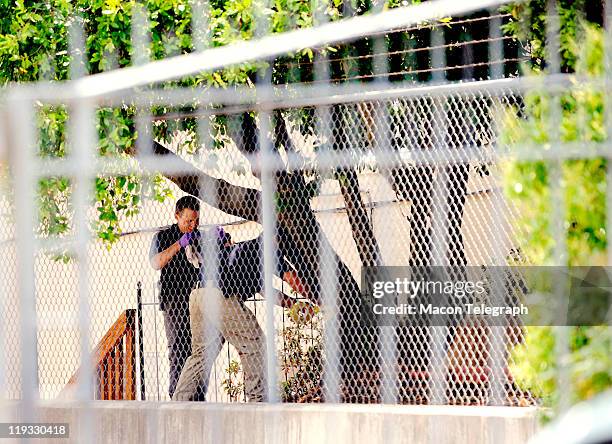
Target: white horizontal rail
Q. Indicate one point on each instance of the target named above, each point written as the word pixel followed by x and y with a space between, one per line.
pixel 100 85
pixel 383 158
pixel 299 95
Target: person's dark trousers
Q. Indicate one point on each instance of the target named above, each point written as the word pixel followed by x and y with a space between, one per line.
pixel 178 334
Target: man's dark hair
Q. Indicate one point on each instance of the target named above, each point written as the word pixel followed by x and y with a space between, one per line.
pixel 187 202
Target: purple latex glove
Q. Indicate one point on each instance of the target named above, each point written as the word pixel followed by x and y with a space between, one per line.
pixel 220 235
pixel 223 236
pixel 186 239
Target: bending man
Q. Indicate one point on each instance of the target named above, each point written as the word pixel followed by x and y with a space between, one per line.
pixel 218 313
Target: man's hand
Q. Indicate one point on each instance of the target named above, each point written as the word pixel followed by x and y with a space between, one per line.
pixel 187 239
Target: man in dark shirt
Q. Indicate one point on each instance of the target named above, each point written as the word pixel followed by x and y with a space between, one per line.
pixel 175 251
pixel 218 314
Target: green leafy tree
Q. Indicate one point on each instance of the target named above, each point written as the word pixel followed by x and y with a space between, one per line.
pixel 581 114
pixel 529 21
pixel 34 46
pixel 582 123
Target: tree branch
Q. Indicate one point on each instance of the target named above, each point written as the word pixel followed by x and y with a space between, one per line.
pixel 231 199
pixel 361 225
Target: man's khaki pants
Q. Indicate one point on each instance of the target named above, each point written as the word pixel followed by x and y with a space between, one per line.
pixel 213 320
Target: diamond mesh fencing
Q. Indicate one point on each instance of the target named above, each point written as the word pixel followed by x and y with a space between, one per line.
pixel 223 256
pixel 375 207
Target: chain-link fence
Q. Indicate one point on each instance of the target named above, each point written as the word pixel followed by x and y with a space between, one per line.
pixel 254 290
